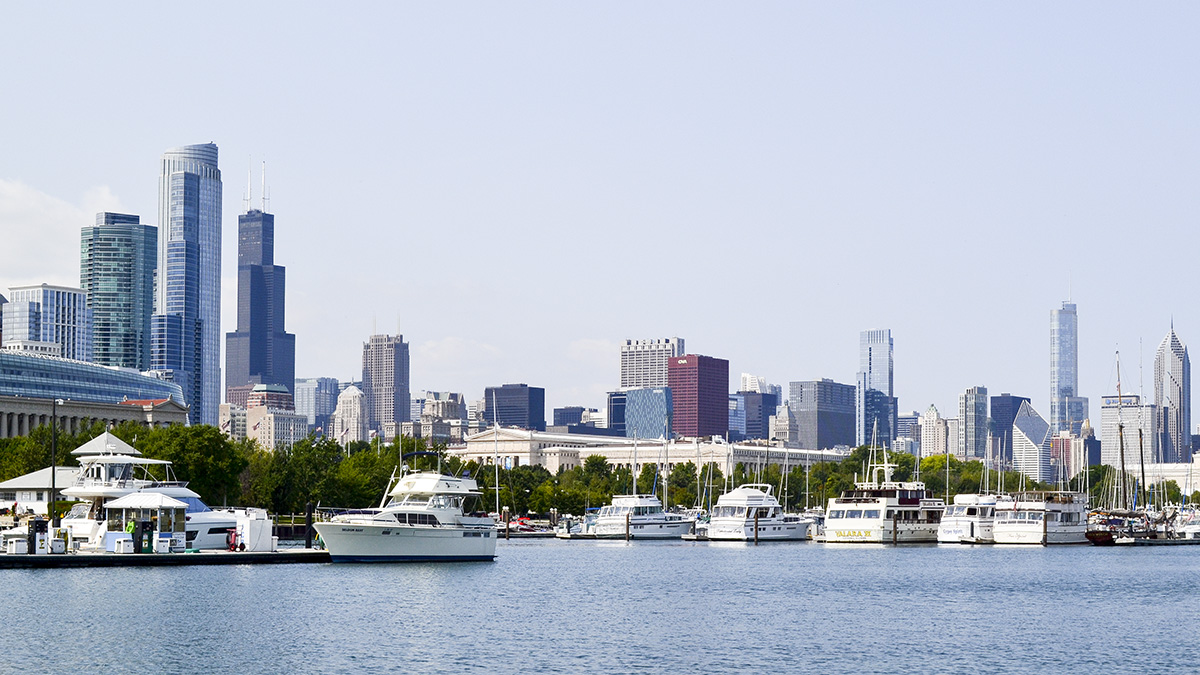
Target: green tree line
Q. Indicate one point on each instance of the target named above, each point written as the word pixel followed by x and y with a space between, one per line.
pixel 316 469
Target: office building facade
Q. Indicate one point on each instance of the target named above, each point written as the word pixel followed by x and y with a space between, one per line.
pixel 316 399
pixel 973 423
pixel 1173 399
pixel 1068 409
pixel 186 326
pixel 515 405
pixel 117 259
pixel 568 415
pixel 1128 431
pixel 875 404
pixel 644 363
pixel 616 412
pixel 1031 444
pixel 824 413
pixel 648 413
pixel 260 351
pixel 758 406
pixel 699 395
pixel 385 383
pixel 1004 411
pixel 935 433
pixel 48 319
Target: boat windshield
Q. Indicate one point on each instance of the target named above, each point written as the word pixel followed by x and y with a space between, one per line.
pixel 79 511
pixel 194 505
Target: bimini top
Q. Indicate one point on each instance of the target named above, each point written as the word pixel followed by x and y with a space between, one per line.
pixel 145 500
pixel 750 494
pixel 432 482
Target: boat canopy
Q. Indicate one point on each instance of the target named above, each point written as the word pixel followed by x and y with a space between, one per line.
pixel 430 482
pixel 145 500
pixel 122 459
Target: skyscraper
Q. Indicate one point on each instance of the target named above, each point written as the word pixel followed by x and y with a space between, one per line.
pixel 759 406
pixel 47 319
pixel 875 400
pixel 935 433
pixel 385 383
pixel 1128 430
pixel 117 259
pixel 648 413
pixel 516 405
pixel 259 351
pixel 186 326
pixel 1031 444
pixel 1004 410
pixel 1173 398
pixel 824 413
pixel 973 416
pixel 1067 408
pixel 699 395
pixel 644 362
pixel 316 398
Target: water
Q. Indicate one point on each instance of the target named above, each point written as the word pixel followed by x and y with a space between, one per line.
pixel 611 607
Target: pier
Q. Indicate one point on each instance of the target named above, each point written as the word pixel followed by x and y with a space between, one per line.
pixel 65 560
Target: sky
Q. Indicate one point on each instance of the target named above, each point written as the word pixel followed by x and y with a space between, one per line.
pixel 518 187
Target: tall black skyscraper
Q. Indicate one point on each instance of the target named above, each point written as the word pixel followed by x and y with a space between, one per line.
pixel 259 351
pixel 1004 411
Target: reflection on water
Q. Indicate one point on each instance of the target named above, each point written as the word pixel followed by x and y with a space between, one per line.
pixel 646 607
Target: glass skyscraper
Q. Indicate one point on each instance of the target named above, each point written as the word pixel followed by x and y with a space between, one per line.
pixel 648 413
pixel 1173 398
pixel 1068 409
pixel 47 319
pixel 117 259
pixel 186 327
pixel 874 397
pixel 259 351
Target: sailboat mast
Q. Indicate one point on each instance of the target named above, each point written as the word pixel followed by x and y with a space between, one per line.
pixel 1121 439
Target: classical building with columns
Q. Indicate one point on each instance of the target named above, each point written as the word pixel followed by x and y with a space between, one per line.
pixel 29 385
pixel 518 447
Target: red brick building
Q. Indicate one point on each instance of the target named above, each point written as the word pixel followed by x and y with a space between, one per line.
pixel 699 395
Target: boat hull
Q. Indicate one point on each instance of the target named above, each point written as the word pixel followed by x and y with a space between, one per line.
pixel 671 529
pixel 743 530
pixel 1036 535
pixel 362 542
pixel 849 533
pixel 965 532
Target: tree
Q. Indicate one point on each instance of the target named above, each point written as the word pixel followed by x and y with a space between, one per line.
pixel 201 455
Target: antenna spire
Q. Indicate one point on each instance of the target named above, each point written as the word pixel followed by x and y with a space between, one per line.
pixel 265 197
pixel 249 184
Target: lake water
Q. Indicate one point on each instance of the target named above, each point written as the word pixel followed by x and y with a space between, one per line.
pixel 548 606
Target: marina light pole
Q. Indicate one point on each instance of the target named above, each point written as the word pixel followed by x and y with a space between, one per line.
pixel 54 522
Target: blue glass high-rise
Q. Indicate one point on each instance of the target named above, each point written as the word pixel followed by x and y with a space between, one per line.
pixel 118 256
pixel 875 404
pixel 186 327
pixel 1067 408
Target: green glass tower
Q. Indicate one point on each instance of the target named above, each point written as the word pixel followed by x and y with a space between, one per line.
pixel 117 259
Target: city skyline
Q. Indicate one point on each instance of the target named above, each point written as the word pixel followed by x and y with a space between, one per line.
pixel 734 181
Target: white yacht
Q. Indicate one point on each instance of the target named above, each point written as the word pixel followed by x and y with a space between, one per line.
pixel 738 512
pixel 1041 517
pixel 641 517
pixel 109 469
pixel 883 511
pixel 426 520
pixel 968 520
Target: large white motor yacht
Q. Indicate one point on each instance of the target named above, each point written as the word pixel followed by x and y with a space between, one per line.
pixel 740 510
pixel 426 520
pixel 968 520
pixel 883 511
pixel 1041 517
pixel 641 517
pixel 109 469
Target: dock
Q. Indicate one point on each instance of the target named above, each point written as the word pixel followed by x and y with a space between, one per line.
pixel 64 560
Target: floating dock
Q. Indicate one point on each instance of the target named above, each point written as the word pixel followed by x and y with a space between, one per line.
pixel 61 560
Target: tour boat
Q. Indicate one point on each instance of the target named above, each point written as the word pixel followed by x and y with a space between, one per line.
pixel 968 520
pixel 739 511
pixel 426 520
pixel 639 517
pixel 883 511
pixel 1041 517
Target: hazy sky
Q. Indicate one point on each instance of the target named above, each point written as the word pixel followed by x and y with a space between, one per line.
pixel 517 187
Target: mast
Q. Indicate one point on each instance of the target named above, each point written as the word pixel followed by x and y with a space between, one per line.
pixel 496 448
pixel 1122 488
